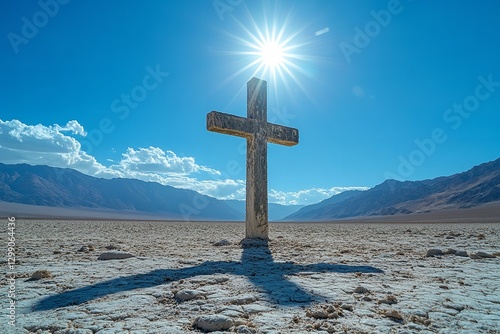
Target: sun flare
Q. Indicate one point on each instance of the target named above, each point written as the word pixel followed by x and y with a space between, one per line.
pixel 271 54
pixel 275 48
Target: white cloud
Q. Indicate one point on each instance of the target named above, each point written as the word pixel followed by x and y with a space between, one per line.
pixel 74 127
pixel 307 196
pixel 54 146
pixel 47 145
pixel 155 160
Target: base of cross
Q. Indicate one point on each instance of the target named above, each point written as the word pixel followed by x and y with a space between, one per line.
pixel 254 242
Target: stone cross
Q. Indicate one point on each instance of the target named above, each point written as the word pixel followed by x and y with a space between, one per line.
pixel 258 132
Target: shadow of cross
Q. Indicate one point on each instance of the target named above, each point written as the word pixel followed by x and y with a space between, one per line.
pixel 258 132
pixel 257 264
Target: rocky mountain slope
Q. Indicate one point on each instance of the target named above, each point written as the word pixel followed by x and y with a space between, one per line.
pixel 479 185
pixel 63 187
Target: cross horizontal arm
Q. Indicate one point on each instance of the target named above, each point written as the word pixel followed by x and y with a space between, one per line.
pixel 282 135
pixel 229 124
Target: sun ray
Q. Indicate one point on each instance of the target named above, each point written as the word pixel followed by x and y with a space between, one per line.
pixel 271 50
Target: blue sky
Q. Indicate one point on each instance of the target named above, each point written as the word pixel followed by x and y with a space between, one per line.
pixel 380 89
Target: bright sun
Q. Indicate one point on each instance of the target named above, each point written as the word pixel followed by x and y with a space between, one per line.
pixel 271 54
pixel 271 51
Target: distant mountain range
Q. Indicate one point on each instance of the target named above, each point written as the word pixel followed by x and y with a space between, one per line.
pixel 479 185
pixel 87 196
pixel 276 211
pixel 67 188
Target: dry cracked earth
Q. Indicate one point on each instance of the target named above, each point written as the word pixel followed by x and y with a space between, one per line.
pixel 198 277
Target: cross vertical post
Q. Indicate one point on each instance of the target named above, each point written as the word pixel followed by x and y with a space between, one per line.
pixel 257 132
pixel 256 183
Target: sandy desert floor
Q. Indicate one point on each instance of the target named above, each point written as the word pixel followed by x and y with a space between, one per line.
pixel 330 278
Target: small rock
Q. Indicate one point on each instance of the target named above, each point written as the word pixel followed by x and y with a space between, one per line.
pixel 481 237
pixel 86 249
pixel 245 330
pixel 445 287
pixel 39 274
pixel 115 255
pixel 347 307
pixel 481 255
pixel 111 247
pixel 400 253
pixel 393 314
pixel 462 253
pixel 434 252
pixel 243 299
pixel 213 322
pixel 457 307
pixel 367 299
pixel 222 242
pixel 390 300
pixel 450 251
pixel 318 313
pixel 361 289
pixel 333 315
pixel 187 294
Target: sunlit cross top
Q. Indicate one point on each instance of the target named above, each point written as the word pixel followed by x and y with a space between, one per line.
pixel 258 132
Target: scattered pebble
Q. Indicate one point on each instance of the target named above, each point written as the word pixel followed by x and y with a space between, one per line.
pixel 462 253
pixel 223 242
pixel 243 329
pixel 361 289
pixel 393 314
pixel 481 255
pixel 450 251
pixel 434 252
pixel 115 255
pixel 187 294
pixel 326 312
pixel 213 322
pixel 39 274
pixel 347 307
pixel 112 247
pixel 318 313
pixel 390 300
pixel 86 248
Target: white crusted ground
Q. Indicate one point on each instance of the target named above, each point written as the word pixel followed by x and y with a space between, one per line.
pixel 303 281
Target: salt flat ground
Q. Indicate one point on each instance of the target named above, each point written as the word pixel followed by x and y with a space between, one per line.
pixel 303 281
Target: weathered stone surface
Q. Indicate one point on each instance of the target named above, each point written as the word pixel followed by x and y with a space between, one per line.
pixel 115 255
pixel 187 294
pixel 39 274
pixel 223 242
pixel 461 253
pixel 481 255
pixel 258 132
pixel 434 252
pixel 213 322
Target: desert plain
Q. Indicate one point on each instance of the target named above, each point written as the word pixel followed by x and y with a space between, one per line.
pixel 191 277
